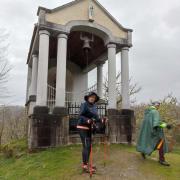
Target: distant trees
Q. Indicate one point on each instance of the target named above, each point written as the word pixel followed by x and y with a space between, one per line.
pixel 169 110
pixel 14 123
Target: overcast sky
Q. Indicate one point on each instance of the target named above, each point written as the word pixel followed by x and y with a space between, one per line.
pixel 154 58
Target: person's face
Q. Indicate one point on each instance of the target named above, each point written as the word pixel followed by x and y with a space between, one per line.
pixel 92 99
pixel 157 106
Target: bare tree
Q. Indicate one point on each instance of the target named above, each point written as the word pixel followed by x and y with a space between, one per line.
pixel 133 89
pixel 14 125
pixel 4 65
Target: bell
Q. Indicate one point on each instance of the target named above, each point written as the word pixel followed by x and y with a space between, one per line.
pixel 86 45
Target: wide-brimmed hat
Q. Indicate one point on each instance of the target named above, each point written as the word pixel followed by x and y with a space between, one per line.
pixel 156 103
pixel 91 94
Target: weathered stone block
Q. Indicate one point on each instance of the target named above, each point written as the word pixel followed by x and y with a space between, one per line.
pixel 48 130
pixel 121 125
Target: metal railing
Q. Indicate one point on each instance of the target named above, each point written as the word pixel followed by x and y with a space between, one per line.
pixel 73 112
pixel 71 97
pixel 92 88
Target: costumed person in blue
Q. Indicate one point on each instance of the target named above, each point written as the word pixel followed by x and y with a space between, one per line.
pixel 151 135
pixel 88 118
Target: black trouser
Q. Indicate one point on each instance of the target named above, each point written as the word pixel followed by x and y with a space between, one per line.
pixel 86 142
pixel 161 152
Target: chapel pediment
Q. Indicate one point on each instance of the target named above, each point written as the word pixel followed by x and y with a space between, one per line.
pixel 85 10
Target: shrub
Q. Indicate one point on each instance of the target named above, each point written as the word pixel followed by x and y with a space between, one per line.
pixel 15 149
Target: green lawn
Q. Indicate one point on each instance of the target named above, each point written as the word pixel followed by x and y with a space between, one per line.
pixel 123 162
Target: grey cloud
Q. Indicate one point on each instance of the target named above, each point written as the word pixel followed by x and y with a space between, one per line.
pixel 172 17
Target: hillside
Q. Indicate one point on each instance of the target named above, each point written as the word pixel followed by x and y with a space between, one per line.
pixel 64 164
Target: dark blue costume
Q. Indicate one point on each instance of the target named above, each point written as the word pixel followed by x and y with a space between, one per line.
pixel 87 111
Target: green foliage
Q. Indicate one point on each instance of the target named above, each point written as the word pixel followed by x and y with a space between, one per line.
pixel 16 149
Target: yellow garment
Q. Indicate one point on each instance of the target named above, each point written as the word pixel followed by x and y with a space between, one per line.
pixel 160 144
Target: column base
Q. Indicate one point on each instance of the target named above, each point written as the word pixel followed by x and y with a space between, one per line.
pixel 31 108
pixel 60 110
pixel 41 110
pixel 32 98
pixel 30 104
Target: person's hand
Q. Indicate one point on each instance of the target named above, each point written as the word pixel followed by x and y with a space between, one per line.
pixel 104 120
pixel 90 121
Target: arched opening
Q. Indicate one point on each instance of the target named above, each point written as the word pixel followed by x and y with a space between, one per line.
pixel 101 37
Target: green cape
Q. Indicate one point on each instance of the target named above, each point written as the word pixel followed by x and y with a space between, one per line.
pixel 150 136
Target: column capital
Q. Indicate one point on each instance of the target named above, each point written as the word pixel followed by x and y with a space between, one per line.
pixel 44 32
pixel 99 63
pixel 111 46
pixel 125 48
pixel 62 35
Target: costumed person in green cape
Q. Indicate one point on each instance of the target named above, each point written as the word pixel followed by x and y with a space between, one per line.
pixel 151 135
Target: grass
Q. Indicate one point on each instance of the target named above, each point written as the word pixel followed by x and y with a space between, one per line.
pixel 48 164
pixel 63 163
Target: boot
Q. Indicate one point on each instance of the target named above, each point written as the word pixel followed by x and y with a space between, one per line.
pixel 164 163
pixel 143 155
pixel 85 168
pixel 93 166
pixel 162 158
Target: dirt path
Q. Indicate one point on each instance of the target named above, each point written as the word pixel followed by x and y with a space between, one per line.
pixel 121 165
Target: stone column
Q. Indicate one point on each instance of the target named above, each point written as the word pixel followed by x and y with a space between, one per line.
pixel 33 87
pixel 34 75
pixel 125 78
pixel 61 70
pixel 100 80
pixel 111 76
pixel 29 75
pixel 42 68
